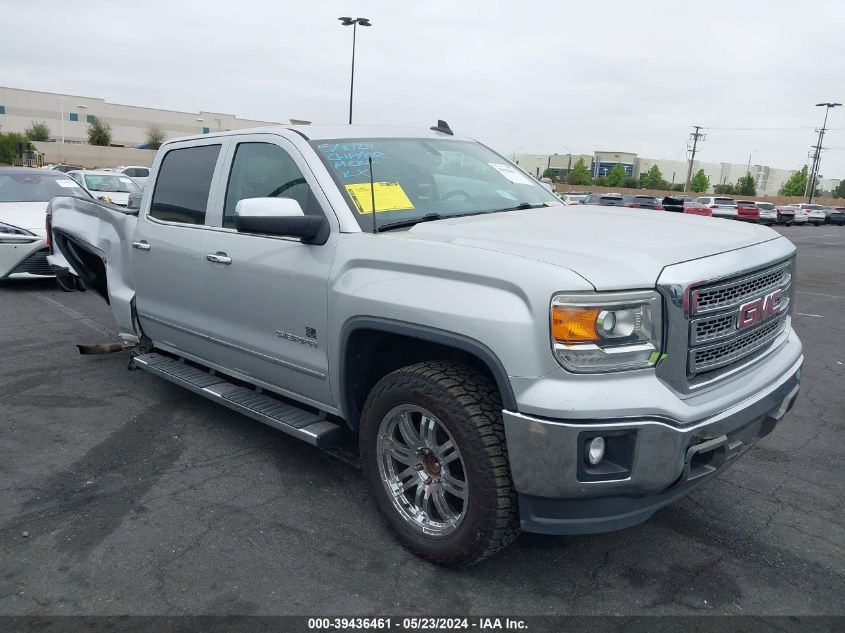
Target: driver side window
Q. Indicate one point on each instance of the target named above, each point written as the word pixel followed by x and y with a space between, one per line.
pixel 264 170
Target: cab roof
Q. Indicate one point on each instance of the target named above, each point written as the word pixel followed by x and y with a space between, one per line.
pixel 328 132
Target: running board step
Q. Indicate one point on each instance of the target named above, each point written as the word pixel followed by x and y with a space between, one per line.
pixel 305 425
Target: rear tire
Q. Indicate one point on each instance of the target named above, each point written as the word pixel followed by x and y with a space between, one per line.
pixel 456 505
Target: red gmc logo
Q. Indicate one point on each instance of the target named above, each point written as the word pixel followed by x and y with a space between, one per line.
pixel 755 311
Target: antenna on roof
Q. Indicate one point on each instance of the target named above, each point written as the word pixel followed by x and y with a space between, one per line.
pixel 442 126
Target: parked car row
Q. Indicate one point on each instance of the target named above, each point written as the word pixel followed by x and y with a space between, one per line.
pixel 137 173
pixel 718 207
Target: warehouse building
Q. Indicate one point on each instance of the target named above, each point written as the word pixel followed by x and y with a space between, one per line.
pixel 769 180
pixel 68 117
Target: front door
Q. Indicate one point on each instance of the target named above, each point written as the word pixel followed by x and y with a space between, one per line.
pixel 169 247
pixel 268 295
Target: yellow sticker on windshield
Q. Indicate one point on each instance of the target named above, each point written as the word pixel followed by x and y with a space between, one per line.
pixel 389 197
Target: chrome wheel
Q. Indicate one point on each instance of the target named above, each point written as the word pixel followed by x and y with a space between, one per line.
pixel 422 470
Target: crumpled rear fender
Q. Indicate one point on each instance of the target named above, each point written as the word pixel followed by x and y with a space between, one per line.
pixel 92 240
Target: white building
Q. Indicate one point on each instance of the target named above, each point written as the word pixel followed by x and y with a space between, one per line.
pixel 68 117
pixel 769 180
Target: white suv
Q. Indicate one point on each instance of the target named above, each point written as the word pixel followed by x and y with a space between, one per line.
pixel 136 172
pixel 721 206
pixel 815 213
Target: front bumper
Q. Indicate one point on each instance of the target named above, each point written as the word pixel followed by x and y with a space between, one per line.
pixel 15 258
pixel 650 462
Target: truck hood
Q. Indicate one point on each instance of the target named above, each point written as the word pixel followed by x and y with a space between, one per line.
pixel 24 215
pixel 611 247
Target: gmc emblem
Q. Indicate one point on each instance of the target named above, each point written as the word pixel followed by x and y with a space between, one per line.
pixel 753 312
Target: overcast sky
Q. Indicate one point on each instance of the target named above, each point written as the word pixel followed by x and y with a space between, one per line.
pixel 594 75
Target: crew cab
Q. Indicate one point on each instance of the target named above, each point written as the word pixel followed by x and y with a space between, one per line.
pixel 506 361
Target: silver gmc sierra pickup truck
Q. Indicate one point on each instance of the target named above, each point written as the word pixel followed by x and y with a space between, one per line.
pixel 507 362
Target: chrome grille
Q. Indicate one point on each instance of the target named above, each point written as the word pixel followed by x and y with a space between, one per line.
pixel 704 359
pixel 715 339
pixel 735 292
pixel 713 328
pixel 35 264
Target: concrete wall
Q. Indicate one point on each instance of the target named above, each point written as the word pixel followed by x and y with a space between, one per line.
pixel 536 164
pixel 91 156
pixel 129 123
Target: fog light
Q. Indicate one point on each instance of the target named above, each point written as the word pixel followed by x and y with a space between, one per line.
pixel 595 450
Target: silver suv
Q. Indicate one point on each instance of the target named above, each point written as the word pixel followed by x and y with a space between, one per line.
pixel 506 362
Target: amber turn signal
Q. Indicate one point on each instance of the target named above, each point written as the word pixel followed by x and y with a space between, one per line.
pixel 572 325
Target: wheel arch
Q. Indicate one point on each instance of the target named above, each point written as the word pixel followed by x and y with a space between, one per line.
pixel 383 345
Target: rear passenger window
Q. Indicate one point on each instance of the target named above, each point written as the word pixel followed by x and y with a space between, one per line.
pixel 183 184
pixel 264 170
pixel 142 172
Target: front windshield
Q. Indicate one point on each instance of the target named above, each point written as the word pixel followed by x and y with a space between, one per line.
pixel 37 187
pixel 111 184
pixel 418 177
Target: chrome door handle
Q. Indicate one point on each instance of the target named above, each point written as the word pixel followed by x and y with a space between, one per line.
pixel 218 258
pixel 141 246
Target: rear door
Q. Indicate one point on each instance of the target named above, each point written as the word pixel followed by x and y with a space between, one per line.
pixel 169 246
pixel 268 298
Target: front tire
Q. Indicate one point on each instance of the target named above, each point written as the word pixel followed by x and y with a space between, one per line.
pixel 433 452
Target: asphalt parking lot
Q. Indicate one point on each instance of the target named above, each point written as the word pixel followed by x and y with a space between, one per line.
pixel 123 494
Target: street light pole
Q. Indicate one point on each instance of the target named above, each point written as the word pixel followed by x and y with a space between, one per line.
pixel 353 22
pixel 817 157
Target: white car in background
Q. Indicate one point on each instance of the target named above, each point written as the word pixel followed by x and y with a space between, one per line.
pixel 815 213
pixel 104 184
pixel 721 206
pixel 572 198
pixel 768 213
pixel 138 173
pixel 24 195
pixel 802 216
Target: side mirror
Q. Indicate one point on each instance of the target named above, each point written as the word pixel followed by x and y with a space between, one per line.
pixel 279 216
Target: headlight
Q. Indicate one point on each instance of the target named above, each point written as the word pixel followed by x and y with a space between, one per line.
pixel 8 229
pixel 602 332
pixel 13 235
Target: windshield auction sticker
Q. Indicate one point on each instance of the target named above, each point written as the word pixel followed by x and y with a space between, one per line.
pixel 389 197
pixel 514 175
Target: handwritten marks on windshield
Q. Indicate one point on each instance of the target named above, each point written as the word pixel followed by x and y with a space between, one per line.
pixel 350 160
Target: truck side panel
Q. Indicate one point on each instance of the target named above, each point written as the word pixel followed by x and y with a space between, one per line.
pixel 93 240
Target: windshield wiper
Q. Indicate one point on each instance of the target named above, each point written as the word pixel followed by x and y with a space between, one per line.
pixel 524 205
pixel 428 217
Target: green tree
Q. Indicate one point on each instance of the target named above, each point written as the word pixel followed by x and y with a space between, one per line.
pixel 725 189
pixel 600 181
pixel 99 132
pixel 38 131
pixel 154 136
pixel 700 182
pixel 678 187
pixel 839 190
pixel 579 174
pixel 10 144
pixel 796 184
pixel 616 176
pixel 653 178
pixel 631 183
pixel 746 186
